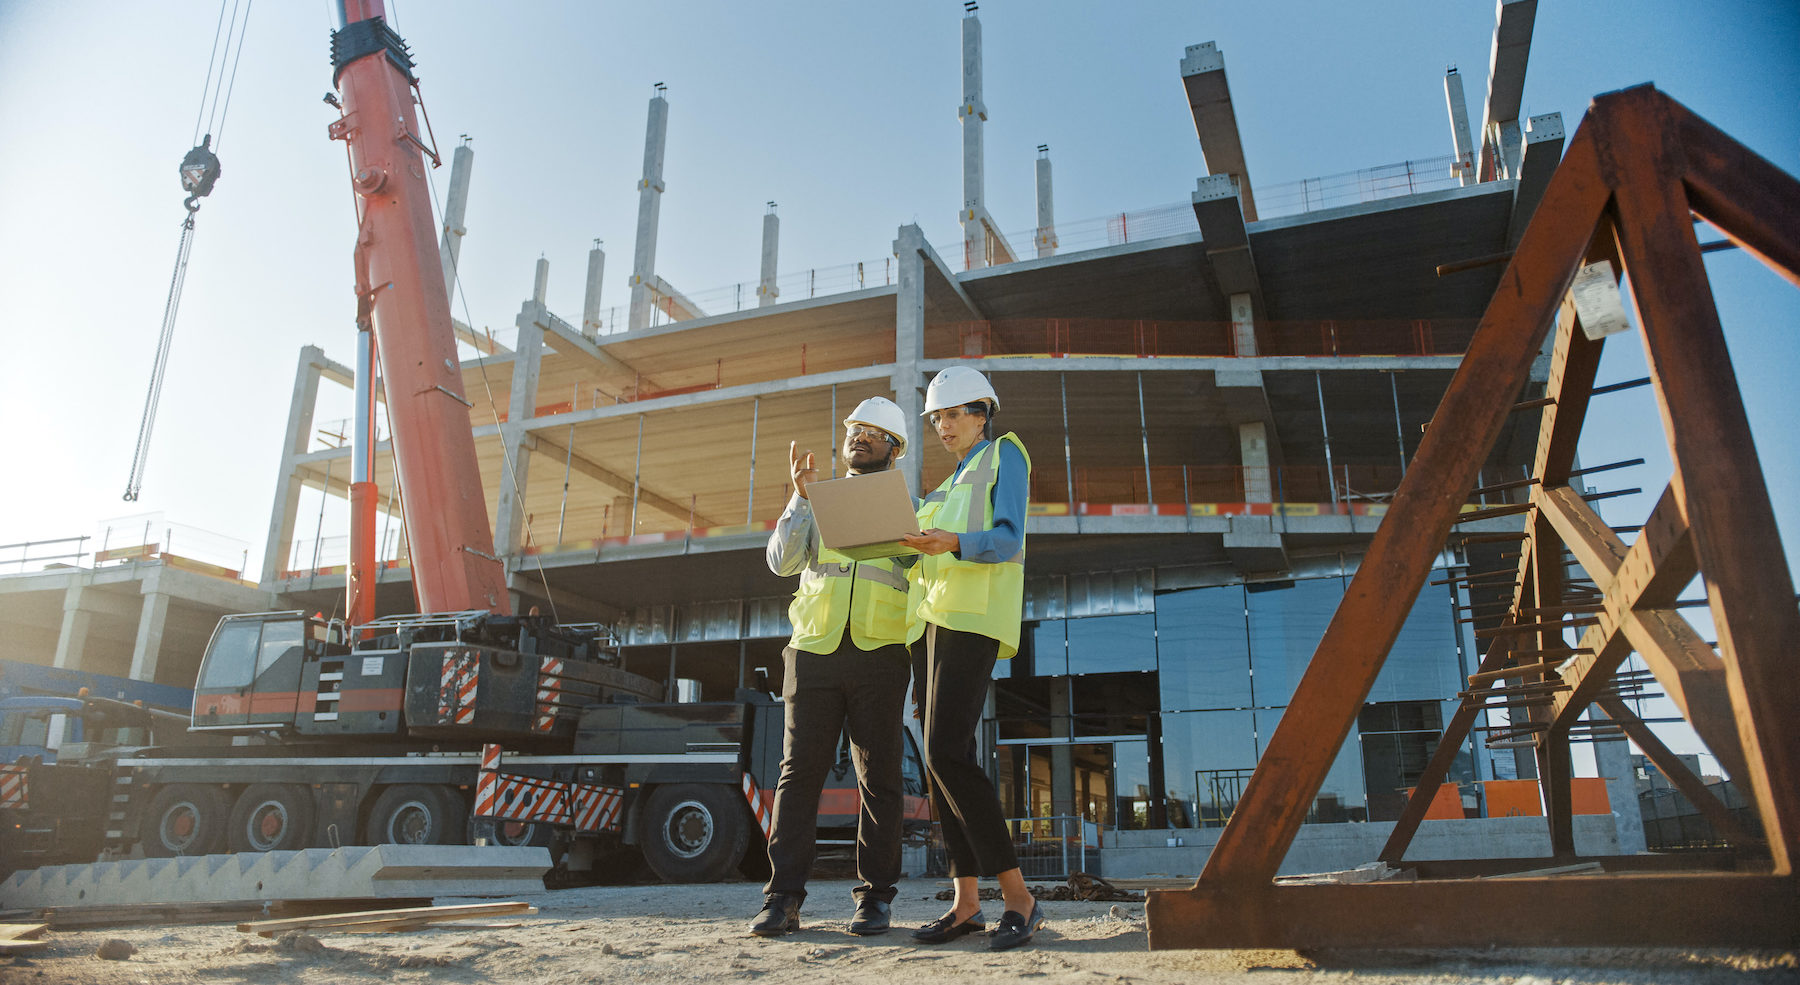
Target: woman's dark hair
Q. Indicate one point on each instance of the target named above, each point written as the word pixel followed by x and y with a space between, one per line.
pixel 987 417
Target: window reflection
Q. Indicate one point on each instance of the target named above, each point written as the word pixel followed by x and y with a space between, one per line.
pixel 1110 644
pixel 1341 796
pixel 1287 620
pixel 1203 654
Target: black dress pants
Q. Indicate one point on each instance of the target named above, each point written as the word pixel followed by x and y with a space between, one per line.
pixel 862 692
pixel 954 670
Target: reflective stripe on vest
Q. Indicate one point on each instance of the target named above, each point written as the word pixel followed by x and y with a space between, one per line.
pixel 867 597
pixel 987 599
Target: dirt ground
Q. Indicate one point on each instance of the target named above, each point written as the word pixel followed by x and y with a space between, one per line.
pixel 670 934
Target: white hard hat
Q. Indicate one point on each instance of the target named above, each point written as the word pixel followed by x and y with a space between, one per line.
pixel 956 386
pixel 880 412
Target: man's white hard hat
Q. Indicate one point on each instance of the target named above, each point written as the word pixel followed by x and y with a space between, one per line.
pixel 956 386
pixel 880 412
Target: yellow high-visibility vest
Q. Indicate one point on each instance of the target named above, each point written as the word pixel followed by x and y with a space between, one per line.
pixel 867 597
pixel 967 595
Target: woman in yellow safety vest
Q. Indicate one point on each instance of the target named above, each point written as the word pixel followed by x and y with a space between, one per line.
pixel 973 583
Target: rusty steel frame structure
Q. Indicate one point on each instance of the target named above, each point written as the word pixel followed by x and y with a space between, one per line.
pixel 1637 173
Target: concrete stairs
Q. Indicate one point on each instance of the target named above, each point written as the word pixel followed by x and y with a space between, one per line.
pixel 381 871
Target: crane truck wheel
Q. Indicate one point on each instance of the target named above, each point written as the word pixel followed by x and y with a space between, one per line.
pixel 184 819
pixel 271 817
pixel 695 832
pixel 417 814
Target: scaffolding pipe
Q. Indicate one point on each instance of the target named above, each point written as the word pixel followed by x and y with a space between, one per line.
pixel 750 505
pixel 637 475
pixel 1330 478
pixel 562 511
pixel 1144 437
pixel 1068 456
pixel 1399 432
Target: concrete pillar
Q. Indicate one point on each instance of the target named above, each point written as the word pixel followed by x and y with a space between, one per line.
pixel 1459 128
pixel 650 191
pixel 909 345
pixel 590 299
pixel 509 515
pixel 1046 233
pixel 973 113
pixel 1243 325
pixel 540 282
pixel 1612 759
pixel 455 205
pixel 71 642
pixel 151 620
pixel 766 291
pixel 287 485
pixel 1253 446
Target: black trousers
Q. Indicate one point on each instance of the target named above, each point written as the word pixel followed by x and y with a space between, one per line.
pixel 953 670
pixel 862 692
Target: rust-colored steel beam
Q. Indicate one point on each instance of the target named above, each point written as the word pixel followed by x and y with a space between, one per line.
pixel 1717 475
pixel 1473 411
pixel 1723 822
pixel 1712 909
pixel 1623 193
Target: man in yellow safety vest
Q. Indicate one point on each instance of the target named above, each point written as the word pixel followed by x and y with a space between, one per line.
pixel 846 669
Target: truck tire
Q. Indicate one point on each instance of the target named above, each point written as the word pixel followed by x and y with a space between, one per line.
pixel 695 832
pixel 417 814
pixel 511 833
pixel 184 819
pixel 271 817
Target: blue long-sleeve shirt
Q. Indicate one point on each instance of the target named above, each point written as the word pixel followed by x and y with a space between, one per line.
pixel 1012 491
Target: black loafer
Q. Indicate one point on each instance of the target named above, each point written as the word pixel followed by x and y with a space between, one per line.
pixel 1015 929
pixel 871 918
pixel 945 928
pixel 780 915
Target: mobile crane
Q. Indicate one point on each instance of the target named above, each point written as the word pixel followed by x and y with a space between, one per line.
pixel 467 721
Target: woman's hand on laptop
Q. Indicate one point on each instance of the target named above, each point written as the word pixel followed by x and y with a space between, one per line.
pixel 933 541
pixel 800 467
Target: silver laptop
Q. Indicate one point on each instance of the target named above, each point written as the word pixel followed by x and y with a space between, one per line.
pixel 864 516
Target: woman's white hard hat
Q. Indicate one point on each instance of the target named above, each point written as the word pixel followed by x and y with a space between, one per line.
pixel 880 412
pixel 956 386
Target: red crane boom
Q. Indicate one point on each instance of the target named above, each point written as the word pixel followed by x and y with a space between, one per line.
pixel 401 300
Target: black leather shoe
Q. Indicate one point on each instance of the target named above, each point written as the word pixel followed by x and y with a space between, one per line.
pixel 1015 929
pixel 871 918
pixel 945 928
pixel 780 915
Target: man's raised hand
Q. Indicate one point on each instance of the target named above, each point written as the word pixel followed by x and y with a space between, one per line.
pixel 800 467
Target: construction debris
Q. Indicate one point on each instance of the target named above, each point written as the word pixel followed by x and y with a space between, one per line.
pixel 1081 886
pixel 115 949
pixel 18 938
pixel 388 920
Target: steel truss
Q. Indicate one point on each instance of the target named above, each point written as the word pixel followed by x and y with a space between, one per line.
pixel 1637 172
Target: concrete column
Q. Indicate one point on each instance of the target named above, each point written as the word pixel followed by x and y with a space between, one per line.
pixel 1046 233
pixel 509 516
pixel 151 620
pixel 1243 324
pixel 1612 758
pixel 909 345
pixel 71 642
pixel 455 205
pixel 766 291
pixel 1459 127
pixel 650 191
pixel 1253 445
pixel 540 282
pixel 973 113
pixel 590 299
pixel 287 485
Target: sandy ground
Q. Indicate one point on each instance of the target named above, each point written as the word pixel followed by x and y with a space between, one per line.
pixel 670 934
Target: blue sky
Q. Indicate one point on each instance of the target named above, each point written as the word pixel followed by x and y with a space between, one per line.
pixel 843 113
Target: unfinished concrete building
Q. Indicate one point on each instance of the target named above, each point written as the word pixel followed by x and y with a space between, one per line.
pixel 1218 400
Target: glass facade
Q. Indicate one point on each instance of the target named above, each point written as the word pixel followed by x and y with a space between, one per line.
pixel 1157 718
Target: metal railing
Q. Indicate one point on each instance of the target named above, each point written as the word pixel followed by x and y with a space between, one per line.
pixel 1047 847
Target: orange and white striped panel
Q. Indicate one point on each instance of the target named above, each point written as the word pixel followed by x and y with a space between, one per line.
pixel 597 807
pixel 487 782
pixel 14 788
pixel 548 690
pixel 762 805
pixel 457 687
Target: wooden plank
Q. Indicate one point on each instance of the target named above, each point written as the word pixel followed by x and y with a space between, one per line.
pixel 388 919
pixel 1717 475
pixel 1649 910
pixel 1356 643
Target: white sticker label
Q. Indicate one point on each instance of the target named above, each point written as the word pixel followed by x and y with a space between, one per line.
pixel 371 667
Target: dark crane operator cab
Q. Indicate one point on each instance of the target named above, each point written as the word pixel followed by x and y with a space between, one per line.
pixel 261 670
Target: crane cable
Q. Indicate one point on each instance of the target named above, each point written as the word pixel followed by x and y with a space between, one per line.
pixel 199 172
